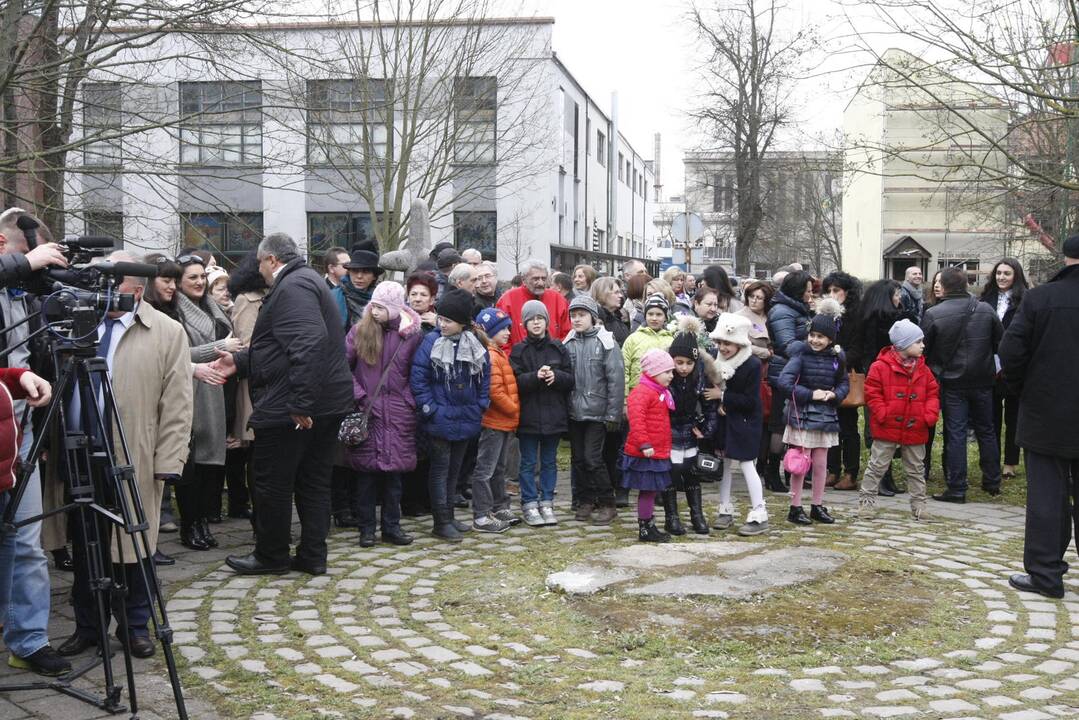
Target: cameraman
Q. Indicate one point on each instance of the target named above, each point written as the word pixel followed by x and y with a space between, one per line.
pixel 24 572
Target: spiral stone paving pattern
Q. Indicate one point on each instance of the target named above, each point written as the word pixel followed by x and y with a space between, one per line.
pixel 374 637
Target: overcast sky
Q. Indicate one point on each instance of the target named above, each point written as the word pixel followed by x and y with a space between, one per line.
pixel 646 52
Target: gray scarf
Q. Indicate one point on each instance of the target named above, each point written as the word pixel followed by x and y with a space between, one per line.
pixel 465 348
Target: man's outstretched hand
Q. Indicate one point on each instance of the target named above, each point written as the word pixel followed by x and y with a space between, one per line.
pixel 225 364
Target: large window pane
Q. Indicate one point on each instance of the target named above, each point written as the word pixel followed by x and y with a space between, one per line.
pixel 477 230
pixel 105 223
pixel 225 234
pixel 343 229
pixel 475 107
pixel 102 116
pixel 221 123
pixel 348 121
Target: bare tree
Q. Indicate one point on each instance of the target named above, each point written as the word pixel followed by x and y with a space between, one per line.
pixel 750 68
pixel 514 239
pixel 49 50
pixel 1023 56
pixel 423 99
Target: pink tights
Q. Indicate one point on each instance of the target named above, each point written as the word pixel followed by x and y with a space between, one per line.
pixel 646 504
pixel 820 478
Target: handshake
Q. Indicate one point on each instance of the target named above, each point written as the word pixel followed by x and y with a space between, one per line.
pixel 220 370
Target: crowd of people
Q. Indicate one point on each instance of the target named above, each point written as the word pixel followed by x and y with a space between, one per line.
pixel 358 399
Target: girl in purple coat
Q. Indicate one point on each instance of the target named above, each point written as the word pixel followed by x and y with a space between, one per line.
pixel 380 348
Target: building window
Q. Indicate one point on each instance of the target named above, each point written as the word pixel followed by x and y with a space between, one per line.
pixel 621 167
pixel 348 121
pixel 475 107
pixel 601 148
pixel 228 234
pixel 337 229
pixel 106 223
pixel 477 230
pixel 723 193
pixel 102 117
pixel 221 123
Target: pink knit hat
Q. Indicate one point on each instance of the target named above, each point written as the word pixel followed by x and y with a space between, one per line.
pixel 656 362
pixel 390 295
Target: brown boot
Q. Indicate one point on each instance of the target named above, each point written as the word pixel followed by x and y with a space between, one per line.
pixel 605 515
pixel 847 482
pixel 832 480
pixel 584 512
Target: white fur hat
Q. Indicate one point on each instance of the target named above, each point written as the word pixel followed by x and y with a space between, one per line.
pixel 732 328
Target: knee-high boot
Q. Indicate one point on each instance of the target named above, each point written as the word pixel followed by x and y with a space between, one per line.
pixel 696 510
pixel 671 522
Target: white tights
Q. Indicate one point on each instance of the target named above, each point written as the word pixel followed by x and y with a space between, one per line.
pixel 753 482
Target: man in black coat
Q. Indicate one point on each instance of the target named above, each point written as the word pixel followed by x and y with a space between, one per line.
pixel 1038 356
pixel 301 387
pixel 961 339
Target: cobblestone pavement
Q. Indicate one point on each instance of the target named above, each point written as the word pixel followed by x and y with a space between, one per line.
pixel 373 627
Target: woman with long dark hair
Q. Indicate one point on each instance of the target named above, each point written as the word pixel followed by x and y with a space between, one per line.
pixel 881 307
pixel 845 459
pixel 715 277
pixel 208 330
pixel 788 322
pixel 1004 291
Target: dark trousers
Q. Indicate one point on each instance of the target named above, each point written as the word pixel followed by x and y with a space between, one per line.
pixel 237 477
pixel 468 466
pixel 586 440
pixel 344 497
pixel 971 407
pixel 290 462
pixel 379 488
pixel 447 458
pixel 847 455
pixel 195 493
pixel 1006 414
pixel 414 497
pixel 137 601
pixel 1052 487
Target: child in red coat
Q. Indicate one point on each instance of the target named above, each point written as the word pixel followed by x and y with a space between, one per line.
pixel 646 462
pixel 904 401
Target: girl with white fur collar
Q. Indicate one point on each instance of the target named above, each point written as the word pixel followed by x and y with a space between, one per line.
pixel 740 421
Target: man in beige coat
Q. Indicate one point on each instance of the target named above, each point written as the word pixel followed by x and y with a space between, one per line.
pixel 149 362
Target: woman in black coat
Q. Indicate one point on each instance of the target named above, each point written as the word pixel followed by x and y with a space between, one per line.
pixel 845 459
pixel 881 307
pixel 1003 292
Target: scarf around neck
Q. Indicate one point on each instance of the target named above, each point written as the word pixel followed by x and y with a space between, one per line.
pixel 355 298
pixel 464 348
pixel 664 393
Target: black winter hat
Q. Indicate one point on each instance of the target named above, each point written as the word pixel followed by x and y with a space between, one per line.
pixel 360 259
pixel 456 304
pixel 685 345
pixel 825 325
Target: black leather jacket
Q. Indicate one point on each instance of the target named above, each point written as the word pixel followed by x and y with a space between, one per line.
pixel 961 337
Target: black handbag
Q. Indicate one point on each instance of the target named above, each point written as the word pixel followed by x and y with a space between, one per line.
pixel 353 431
pixel 708 465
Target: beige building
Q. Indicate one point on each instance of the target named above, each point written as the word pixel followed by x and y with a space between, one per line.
pixel 922 186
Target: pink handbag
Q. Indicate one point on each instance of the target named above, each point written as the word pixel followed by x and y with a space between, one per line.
pixel 797 461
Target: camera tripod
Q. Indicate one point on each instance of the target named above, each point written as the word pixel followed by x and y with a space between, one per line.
pixel 104 498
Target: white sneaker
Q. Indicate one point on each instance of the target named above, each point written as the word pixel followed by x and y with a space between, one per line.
pixel 547 511
pixel 532 515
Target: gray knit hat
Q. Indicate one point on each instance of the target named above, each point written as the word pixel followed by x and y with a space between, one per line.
pixel 531 309
pixel 585 302
pixel 904 333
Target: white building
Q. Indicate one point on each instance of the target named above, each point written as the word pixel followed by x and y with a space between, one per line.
pixel 301 132
pixel 921 185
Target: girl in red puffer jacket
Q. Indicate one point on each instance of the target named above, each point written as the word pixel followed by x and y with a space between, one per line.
pixel 904 401
pixel 646 459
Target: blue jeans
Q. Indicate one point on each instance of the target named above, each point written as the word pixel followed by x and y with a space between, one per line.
pixel 547 447
pixel 965 407
pixel 24 573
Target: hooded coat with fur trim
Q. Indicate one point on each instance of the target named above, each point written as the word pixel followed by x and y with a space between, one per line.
pixel 391 440
pixel 691 410
pixel 738 433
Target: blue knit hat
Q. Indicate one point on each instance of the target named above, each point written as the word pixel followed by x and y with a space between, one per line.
pixel 493 321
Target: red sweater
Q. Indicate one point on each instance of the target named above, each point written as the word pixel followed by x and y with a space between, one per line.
pixel 902 404
pixel 649 423
pixel 514 300
pixel 10 433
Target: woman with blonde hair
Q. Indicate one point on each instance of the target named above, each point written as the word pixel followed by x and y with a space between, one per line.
pixel 583 277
